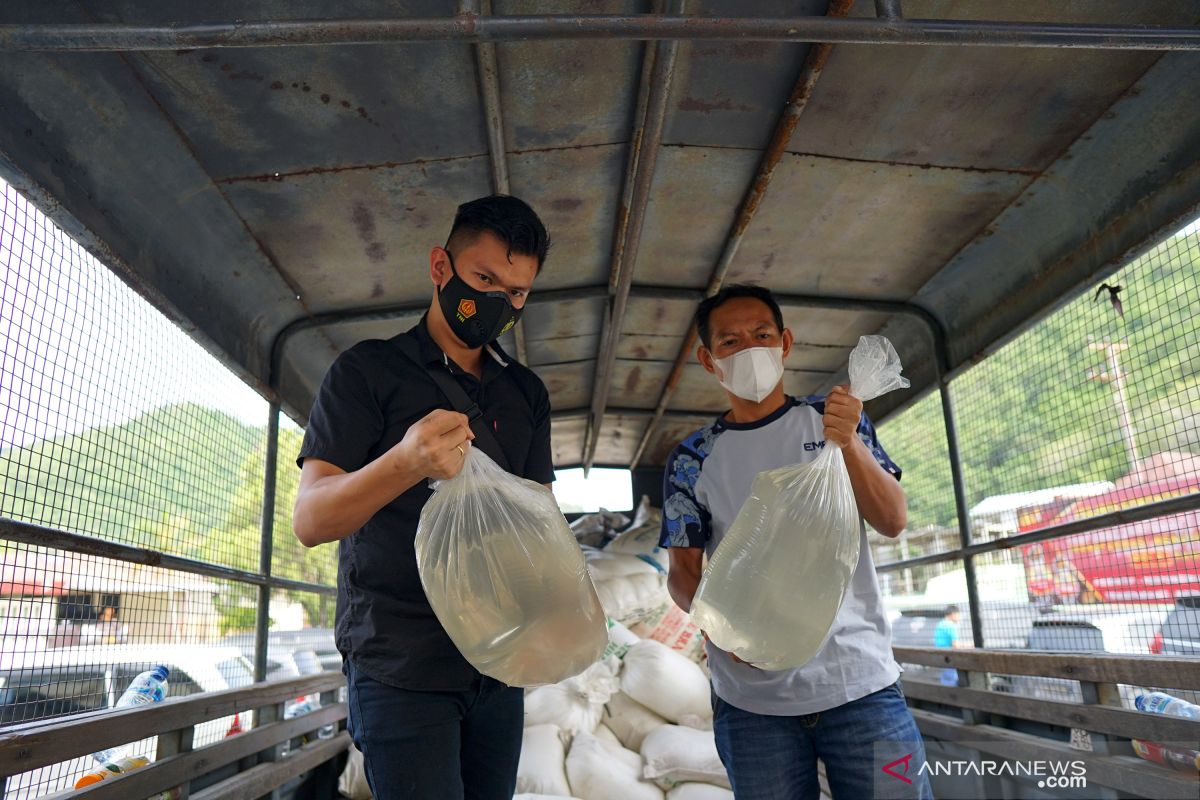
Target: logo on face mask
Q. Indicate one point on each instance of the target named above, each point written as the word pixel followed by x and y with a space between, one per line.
pixel 466 309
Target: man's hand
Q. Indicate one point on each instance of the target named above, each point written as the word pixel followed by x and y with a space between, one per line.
pixel 734 656
pixel 436 445
pixel 842 413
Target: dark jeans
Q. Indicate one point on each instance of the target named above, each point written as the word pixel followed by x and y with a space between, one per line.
pixel 775 758
pixel 437 745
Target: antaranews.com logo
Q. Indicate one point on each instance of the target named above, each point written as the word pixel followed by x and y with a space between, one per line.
pixel 901 770
pixel 1049 773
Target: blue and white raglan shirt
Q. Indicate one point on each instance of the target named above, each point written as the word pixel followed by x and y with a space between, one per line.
pixel 708 478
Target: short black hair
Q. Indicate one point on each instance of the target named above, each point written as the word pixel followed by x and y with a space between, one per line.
pixel 508 218
pixel 951 610
pixel 732 292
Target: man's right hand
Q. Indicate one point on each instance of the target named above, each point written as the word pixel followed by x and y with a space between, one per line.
pixel 436 445
pixel 734 656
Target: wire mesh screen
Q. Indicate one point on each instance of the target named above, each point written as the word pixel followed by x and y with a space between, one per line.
pixel 80 629
pixel 916 440
pixel 290 559
pixel 1096 409
pixel 301 620
pixel 115 425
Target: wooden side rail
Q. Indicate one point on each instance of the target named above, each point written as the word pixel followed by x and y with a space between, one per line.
pixel 1100 725
pixel 1122 772
pixel 1168 671
pixel 38 744
pixel 1093 718
pixel 260 780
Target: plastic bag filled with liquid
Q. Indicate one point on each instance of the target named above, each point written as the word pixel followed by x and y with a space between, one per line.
pixel 506 578
pixel 775 584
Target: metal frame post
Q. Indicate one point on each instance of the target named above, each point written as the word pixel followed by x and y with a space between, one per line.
pixel 960 501
pixel 262 620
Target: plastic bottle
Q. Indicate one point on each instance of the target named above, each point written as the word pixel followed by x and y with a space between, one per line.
pixel 1163 703
pixel 148 687
pixel 302 705
pixel 118 767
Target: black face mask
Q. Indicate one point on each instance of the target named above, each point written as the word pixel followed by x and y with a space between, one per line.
pixel 476 317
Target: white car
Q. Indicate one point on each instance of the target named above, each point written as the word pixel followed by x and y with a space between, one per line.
pixel 43 684
pixel 1090 629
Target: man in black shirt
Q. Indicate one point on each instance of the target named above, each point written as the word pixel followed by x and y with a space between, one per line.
pixel 428 724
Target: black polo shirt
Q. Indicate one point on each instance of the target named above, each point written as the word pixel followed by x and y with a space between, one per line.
pixel 368 400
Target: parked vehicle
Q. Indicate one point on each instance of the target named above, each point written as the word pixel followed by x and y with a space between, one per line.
pixel 1006 624
pixel 1180 634
pixel 44 684
pixel 282 644
pixel 1089 629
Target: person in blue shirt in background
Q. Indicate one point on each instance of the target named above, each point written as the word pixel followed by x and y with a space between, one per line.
pixel 946 635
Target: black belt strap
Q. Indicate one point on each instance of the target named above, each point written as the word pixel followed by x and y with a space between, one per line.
pixel 454 393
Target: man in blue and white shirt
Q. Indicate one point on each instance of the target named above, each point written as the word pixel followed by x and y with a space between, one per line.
pixel 845 706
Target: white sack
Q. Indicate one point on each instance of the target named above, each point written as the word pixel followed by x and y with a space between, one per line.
pixel 633 597
pixel 666 682
pixel 699 791
pixel 353 780
pixel 574 705
pixel 676 755
pixel 598 770
pixel 630 720
pixel 543 758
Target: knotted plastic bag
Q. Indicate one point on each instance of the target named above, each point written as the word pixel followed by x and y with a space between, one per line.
pixel 506 578
pixel 775 584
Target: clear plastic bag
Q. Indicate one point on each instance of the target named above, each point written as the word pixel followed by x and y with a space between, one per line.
pixel 506 578
pixel 775 584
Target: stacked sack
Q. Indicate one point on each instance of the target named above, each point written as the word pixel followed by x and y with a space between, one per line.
pixel 637 724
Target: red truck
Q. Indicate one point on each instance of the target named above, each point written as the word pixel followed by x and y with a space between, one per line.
pixel 1152 561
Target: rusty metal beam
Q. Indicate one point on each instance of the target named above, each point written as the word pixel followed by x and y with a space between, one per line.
pixel 644 145
pixel 814 64
pixel 649 53
pixel 487 70
pixel 117 37
pixel 670 293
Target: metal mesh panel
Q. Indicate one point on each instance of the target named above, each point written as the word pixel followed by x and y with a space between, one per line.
pixel 301 621
pixel 916 441
pixel 1094 410
pixel 115 425
pixel 289 558
pixel 81 628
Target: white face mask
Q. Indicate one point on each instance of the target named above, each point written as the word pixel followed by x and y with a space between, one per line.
pixel 753 373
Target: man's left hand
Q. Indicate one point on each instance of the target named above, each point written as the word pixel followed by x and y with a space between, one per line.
pixel 842 413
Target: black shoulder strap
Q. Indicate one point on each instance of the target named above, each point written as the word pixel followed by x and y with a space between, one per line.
pixel 485 440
